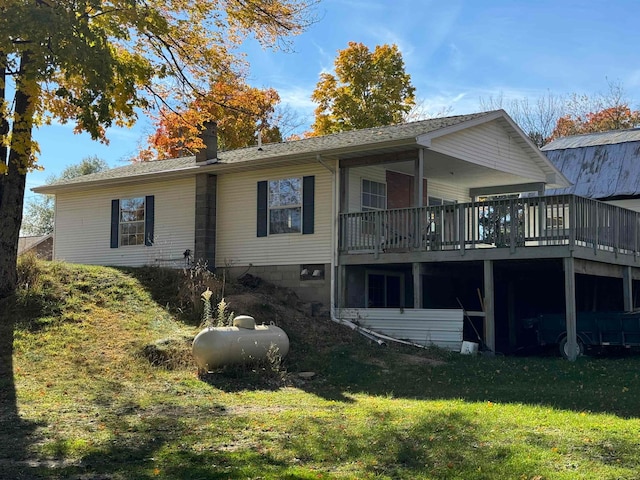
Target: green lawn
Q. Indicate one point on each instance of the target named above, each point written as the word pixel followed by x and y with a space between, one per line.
pixel 91 405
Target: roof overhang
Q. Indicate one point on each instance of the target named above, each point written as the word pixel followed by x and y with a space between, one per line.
pixel 554 177
pixel 106 182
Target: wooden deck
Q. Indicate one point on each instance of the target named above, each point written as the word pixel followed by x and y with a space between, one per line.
pixel 491 230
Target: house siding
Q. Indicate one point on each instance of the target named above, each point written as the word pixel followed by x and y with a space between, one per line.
pixel 631 204
pixel 82 228
pixel 442 327
pixel 448 191
pixel 491 146
pixel 237 243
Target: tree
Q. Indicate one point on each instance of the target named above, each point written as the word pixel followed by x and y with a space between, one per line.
pixel 552 116
pixel 238 110
pixel 597 113
pixel 39 213
pixel 94 62
pixel 369 89
pixel 618 117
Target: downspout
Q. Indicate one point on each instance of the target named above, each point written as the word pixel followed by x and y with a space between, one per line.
pixel 379 338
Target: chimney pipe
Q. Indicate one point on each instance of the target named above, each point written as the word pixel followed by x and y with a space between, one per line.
pixel 209 135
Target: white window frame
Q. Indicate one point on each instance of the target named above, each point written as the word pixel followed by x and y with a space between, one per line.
pixel 274 205
pixel 370 208
pixel 124 238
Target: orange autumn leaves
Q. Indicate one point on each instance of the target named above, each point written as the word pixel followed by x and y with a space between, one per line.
pixel 239 110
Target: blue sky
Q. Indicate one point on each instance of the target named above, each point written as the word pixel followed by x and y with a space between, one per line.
pixel 456 52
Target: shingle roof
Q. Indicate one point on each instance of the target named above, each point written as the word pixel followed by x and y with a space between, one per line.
pixel 593 139
pixel 345 140
pixel 335 143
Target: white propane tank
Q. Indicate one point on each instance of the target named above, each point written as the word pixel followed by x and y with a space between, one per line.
pixel 244 342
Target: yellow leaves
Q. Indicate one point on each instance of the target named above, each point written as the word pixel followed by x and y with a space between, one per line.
pixel 111 58
pixel 368 89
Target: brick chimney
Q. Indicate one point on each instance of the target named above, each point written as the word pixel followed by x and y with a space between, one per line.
pixel 209 135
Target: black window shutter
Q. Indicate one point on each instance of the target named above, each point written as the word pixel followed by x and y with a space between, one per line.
pixel 115 222
pixel 308 207
pixel 262 209
pixel 149 214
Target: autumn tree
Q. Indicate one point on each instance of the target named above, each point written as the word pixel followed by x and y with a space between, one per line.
pixel 239 111
pixel 368 89
pixel 618 117
pixel 551 115
pixel 39 212
pixel 95 62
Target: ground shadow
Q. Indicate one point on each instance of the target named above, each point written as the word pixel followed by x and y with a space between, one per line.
pixel 16 434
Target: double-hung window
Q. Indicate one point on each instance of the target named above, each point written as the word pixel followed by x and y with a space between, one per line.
pixel 132 221
pixel 374 195
pixel 285 205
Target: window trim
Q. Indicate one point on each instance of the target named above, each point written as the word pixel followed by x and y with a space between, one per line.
pixel 364 208
pixel 141 221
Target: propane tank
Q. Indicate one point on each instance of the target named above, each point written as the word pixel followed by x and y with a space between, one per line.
pixel 244 342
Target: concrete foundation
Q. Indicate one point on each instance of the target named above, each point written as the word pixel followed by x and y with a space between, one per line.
pixel 306 286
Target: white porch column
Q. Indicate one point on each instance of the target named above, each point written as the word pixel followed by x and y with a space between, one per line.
pixel 627 285
pixel 417 285
pixel 489 309
pixel 570 308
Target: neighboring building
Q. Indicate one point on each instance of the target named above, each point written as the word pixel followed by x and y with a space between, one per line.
pixel 603 166
pixel 40 245
pixel 396 227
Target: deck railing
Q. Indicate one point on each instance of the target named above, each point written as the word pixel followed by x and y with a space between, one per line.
pixel 505 223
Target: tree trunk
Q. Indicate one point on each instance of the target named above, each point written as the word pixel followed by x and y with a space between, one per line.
pixel 12 184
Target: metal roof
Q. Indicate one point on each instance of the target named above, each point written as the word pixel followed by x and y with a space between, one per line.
pixel 599 170
pixel 594 139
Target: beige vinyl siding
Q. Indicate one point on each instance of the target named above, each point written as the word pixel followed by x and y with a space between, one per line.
pixel 491 146
pixel 83 224
pixel 630 204
pixel 236 241
pixel 448 191
pixel 376 173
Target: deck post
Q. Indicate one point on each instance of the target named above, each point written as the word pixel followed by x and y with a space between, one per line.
pixel 489 310
pixel 627 285
pixel 417 284
pixel 341 278
pixel 418 175
pixel 570 307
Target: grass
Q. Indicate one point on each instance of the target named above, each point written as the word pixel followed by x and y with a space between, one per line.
pixel 92 406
